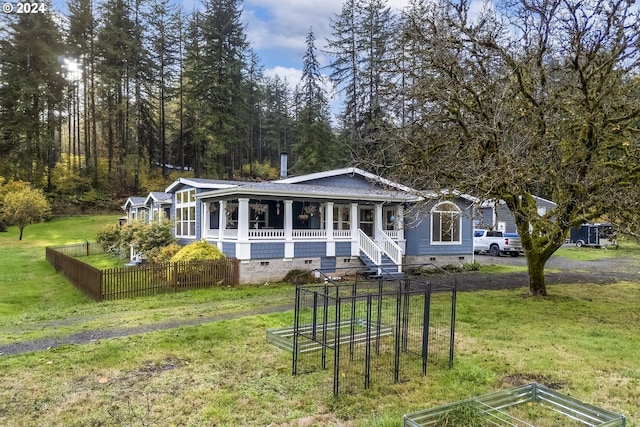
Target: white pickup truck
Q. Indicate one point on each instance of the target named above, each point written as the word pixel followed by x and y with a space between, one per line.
pixel 496 243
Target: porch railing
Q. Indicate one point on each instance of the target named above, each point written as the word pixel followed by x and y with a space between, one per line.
pixel 390 248
pixel 309 233
pixel 266 233
pixel 369 247
pixel 341 234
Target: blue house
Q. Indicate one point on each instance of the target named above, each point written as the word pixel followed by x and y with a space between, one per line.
pixel 136 209
pixel 159 206
pixel 342 218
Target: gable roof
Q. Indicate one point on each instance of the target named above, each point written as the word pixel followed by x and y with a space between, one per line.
pixel 346 171
pixel 202 183
pixel 159 197
pixel 134 202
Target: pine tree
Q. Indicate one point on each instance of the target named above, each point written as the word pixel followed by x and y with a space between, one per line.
pixel 163 25
pixel 80 44
pixel 223 62
pixel 315 147
pixel 278 121
pixel 363 35
pixel 31 93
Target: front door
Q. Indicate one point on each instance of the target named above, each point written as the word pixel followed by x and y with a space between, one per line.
pixel 365 219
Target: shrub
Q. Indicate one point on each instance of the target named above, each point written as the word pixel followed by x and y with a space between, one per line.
pixel 149 240
pixel 198 251
pixel 109 236
pixel 164 254
pixel 152 238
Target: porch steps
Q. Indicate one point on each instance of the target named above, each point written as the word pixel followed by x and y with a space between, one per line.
pixel 389 268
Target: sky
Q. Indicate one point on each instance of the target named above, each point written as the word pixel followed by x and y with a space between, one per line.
pixel 277 30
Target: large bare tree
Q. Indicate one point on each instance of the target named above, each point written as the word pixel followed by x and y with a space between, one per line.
pixel 528 97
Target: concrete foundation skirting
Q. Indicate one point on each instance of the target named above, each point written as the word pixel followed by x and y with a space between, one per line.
pixel 274 270
pixel 439 260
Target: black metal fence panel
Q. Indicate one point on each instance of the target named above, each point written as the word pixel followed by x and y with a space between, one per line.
pixel 373 331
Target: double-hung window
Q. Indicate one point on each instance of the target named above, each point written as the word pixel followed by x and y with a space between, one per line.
pixel 186 213
pixel 446 224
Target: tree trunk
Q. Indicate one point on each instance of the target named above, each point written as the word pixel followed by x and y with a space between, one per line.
pixel 21 228
pixel 535 265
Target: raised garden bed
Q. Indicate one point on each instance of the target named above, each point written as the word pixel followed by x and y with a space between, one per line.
pixel 531 405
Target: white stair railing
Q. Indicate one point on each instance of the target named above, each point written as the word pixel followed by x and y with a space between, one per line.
pixel 391 249
pixel 370 248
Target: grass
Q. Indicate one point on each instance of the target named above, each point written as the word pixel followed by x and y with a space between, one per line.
pixel 628 247
pixel 584 339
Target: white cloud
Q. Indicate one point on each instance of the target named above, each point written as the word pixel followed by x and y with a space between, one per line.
pixel 292 75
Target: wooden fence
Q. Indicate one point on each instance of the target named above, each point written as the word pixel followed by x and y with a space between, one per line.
pixel 143 280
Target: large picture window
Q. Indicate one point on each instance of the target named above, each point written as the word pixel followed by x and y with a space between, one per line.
pixel 186 213
pixel 446 224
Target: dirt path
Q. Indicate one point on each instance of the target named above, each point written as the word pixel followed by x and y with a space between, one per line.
pixel 561 270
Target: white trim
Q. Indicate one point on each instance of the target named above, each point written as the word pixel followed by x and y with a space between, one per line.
pixel 458 211
pixel 188 206
pixel 199 184
pixel 345 171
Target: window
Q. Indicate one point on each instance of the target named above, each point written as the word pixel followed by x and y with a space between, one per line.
pixel 232 214
pixel 390 218
pixel 186 213
pixel 341 215
pixel 446 224
pixel 366 220
pixel 258 215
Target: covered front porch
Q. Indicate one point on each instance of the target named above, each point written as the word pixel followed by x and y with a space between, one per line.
pixel 291 228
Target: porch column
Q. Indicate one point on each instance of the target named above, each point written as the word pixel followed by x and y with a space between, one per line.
pixel 377 222
pixel 288 229
pixel 204 220
pixel 243 247
pixel 222 221
pixel 328 225
pixel 353 217
pixel 400 222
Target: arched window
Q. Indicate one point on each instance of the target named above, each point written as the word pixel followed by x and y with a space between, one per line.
pixel 446 224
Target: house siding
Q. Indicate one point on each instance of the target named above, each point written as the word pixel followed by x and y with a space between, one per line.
pixel 343 249
pixel 267 250
pixel 229 249
pixel 418 238
pixel 503 214
pixel 309 249
pixel 328 264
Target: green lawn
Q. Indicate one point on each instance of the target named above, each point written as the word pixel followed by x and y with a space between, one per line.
pixel 627 248
pixel 584 339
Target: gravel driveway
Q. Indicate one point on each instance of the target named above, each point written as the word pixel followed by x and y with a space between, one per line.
pixel 563 270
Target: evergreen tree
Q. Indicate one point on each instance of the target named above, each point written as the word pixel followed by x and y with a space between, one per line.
pixel 223 62
pixel 80 44
pixel 363 34
pixel 121 69
pixel 31 93
pixel 277 125
pixel 193 132
pixel 163 25
pixel 315 147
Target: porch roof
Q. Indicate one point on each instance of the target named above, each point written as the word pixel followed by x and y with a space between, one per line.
pixel 306 191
